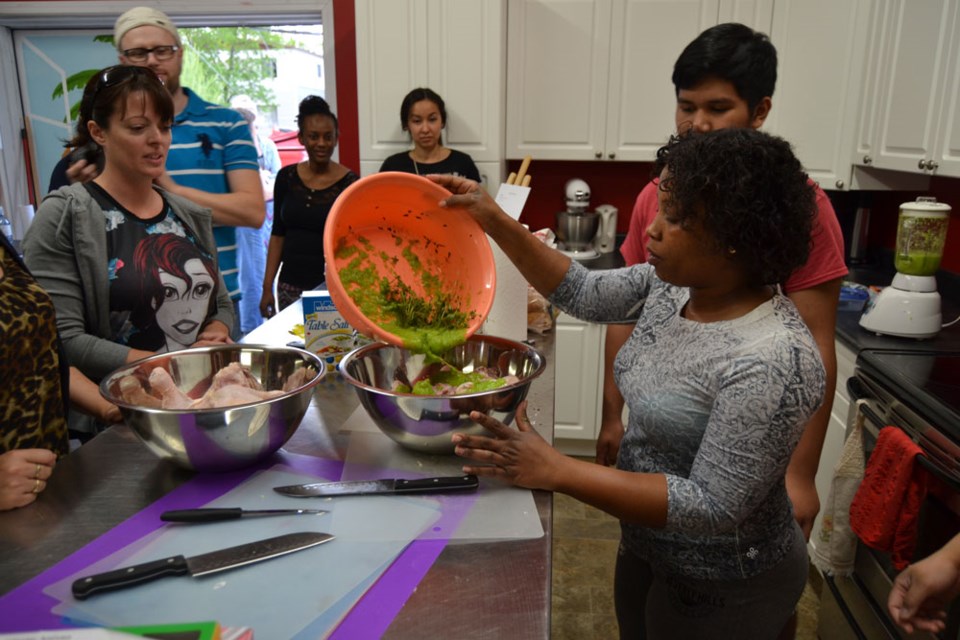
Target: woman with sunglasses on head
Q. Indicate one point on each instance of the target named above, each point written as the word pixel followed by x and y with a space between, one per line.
pixel 81 246
pixel 303 195
pixel 423 115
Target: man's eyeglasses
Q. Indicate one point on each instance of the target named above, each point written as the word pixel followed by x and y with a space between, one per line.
pixel 162 53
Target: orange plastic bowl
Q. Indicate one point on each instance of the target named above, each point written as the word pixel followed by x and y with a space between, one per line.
pixel 386 214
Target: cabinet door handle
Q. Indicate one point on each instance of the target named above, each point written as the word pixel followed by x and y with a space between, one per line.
pixel 840 184
pixel 922 164
pixel 867 160
pixel 598 155
pixel 612 156
pixel 933 166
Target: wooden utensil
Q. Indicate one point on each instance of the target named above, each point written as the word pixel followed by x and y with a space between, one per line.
pixel 523 170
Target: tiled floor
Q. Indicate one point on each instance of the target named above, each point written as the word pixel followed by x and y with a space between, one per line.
pixel 584 551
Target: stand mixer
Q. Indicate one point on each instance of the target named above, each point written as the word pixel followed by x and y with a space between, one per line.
pixel 576 227
pixel 910 306
pixel 583 234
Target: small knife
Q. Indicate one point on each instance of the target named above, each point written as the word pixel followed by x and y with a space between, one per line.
pixel 200 565
pixel 232 513
pixel 380 487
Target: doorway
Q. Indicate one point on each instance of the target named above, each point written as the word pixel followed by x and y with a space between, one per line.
pixel 39 51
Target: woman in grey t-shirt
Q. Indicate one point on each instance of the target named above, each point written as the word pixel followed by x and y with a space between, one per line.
pixel 720 376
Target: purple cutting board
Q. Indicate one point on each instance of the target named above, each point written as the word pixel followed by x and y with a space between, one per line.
pixel 27 607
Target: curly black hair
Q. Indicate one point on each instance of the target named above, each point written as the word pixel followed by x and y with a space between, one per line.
pixel 749 193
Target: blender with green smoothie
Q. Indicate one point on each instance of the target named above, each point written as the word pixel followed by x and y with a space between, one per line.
pixel 921 233
pixel 910 306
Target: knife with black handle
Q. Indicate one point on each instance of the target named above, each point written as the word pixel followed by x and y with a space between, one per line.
pixel 380 487
pixel 196 566
pixel 230 513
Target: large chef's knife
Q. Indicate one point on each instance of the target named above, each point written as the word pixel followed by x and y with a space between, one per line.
pixel 380 487
pixel 200 565
pixel 218 514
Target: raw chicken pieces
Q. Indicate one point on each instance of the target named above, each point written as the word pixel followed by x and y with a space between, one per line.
pixel 170 396
pixel 230 386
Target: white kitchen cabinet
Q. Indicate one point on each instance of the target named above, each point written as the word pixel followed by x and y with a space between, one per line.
pixel 578 370
pixel 836 432
pixel 912 121
pixel 590 79
pixel 456 48
pixel 820 61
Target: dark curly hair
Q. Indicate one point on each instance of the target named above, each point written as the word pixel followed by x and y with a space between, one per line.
pixel 749 193
pixel 315 106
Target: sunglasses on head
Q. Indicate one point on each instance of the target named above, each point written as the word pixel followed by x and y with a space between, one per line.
pixel 112 76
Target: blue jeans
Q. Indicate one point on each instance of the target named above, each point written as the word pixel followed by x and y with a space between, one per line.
pixel 252 260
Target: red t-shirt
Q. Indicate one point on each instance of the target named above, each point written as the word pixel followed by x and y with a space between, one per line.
pixel 826 251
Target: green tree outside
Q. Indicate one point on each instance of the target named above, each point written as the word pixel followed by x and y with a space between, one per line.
pixel 223 62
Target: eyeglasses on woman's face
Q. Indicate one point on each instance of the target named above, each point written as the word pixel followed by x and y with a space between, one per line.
pixel 161 53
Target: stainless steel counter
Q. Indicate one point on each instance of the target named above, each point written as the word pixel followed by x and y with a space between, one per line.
pixel 489 590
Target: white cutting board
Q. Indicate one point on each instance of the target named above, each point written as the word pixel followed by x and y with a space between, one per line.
pixel 278 597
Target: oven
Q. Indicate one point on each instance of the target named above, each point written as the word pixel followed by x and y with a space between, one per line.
pixel 919 393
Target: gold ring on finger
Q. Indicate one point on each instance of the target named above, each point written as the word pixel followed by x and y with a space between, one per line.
pixel 36 474
pixel 36 485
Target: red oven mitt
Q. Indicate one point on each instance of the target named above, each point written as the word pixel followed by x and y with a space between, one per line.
pixel 886 508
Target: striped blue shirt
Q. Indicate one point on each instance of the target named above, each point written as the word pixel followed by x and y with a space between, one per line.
pixel 208 142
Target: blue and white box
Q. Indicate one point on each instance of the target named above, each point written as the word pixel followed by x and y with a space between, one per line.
pixel 326 333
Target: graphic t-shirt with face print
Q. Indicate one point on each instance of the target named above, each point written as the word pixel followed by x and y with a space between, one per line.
pixel 163 285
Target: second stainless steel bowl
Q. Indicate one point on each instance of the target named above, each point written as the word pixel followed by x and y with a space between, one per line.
pixel 425 423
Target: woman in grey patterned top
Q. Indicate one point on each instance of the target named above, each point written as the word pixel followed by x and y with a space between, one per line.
pixel 720 375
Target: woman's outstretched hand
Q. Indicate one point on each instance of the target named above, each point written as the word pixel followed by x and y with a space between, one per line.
pixel 520 456
pixel 923 591
pixel 469 196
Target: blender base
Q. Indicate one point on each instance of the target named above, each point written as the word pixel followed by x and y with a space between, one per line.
pixel 906 314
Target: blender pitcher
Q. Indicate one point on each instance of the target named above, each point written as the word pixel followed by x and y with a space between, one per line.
pixel 921 234
pixel 910 306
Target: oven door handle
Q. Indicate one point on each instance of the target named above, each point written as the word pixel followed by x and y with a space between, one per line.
pixel 937 472
pixel 922 460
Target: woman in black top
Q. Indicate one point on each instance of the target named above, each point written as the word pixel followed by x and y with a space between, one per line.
pixel 423 115
pixel 303 195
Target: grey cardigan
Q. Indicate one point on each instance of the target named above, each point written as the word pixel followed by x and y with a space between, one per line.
pixel 66 250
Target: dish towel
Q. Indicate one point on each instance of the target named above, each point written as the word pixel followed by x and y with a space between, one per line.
pixel 836 543
pixel 885 510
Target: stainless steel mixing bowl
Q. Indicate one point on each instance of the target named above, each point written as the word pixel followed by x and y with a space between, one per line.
pixel 227 438
pixel 576 231
pixel 425 423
